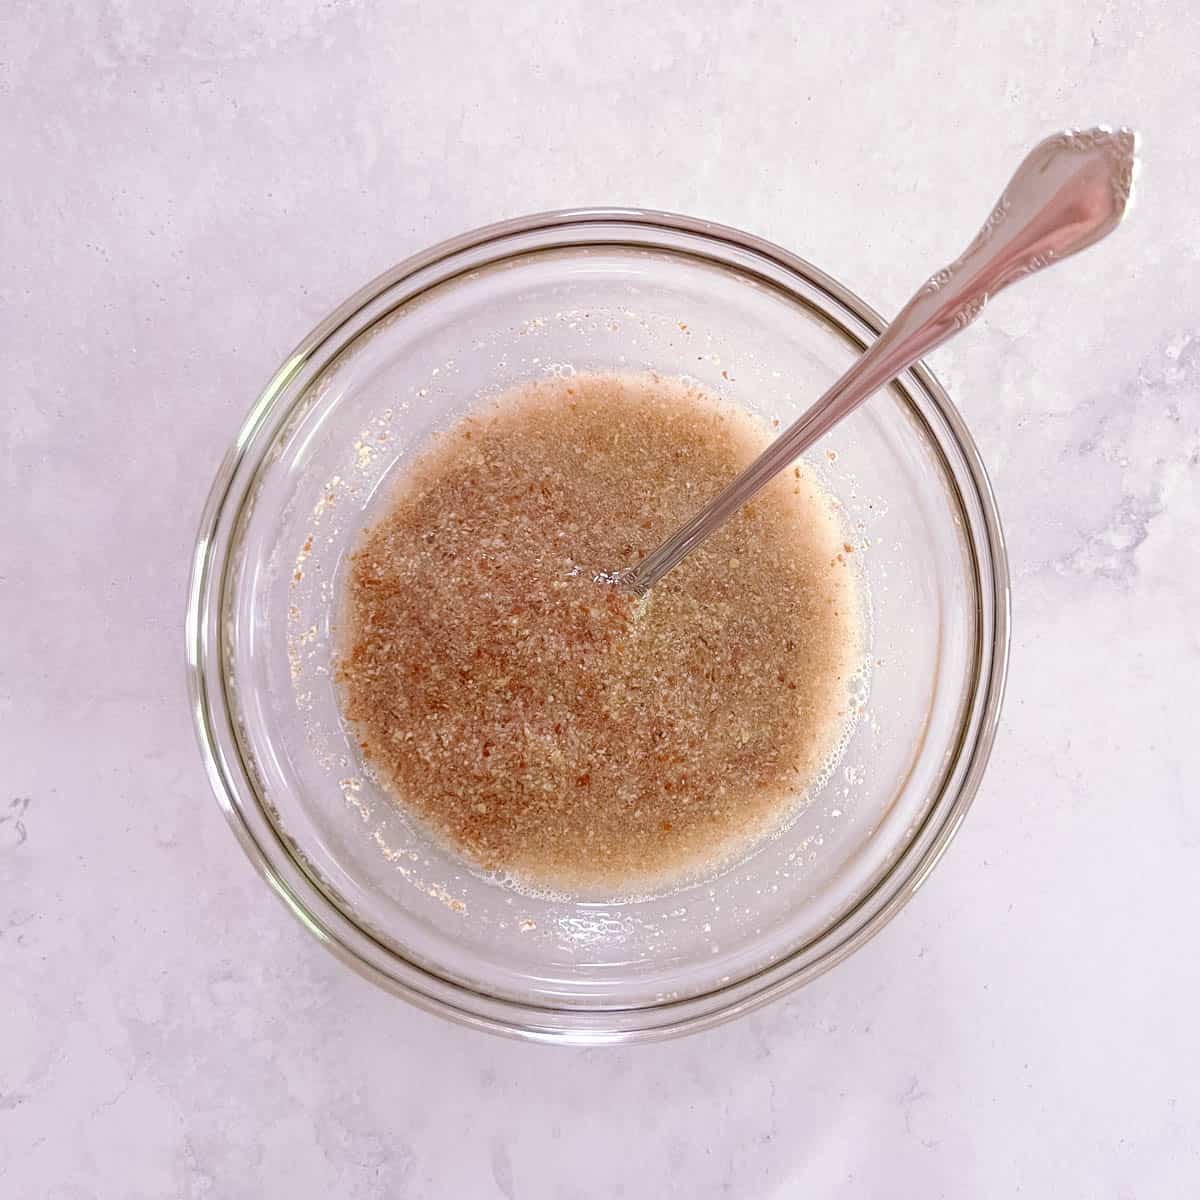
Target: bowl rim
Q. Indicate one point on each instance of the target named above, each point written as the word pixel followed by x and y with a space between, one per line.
pixel 280 865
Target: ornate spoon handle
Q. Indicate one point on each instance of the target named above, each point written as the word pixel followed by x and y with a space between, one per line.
pixel 1071 190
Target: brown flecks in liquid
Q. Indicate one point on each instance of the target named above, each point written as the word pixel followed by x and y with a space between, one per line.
pixel 544 723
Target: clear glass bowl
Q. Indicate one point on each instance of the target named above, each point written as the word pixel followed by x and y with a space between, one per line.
pixel 595 289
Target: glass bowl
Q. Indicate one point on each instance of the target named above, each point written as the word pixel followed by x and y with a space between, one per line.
pixel 551 294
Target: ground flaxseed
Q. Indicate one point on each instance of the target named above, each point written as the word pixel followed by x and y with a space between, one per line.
pixel 531 715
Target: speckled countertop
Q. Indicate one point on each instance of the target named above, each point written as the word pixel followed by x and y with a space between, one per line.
pixel 189 188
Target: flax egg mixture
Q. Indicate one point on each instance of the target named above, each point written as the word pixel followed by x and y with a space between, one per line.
pixel 553 728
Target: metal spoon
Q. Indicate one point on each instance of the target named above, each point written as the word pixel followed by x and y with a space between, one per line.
pixel 1071 190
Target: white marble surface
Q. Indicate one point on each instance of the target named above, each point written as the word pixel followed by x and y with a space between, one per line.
pixel 188 188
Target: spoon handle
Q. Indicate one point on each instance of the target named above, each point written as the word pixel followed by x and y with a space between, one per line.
pixel 1071 190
